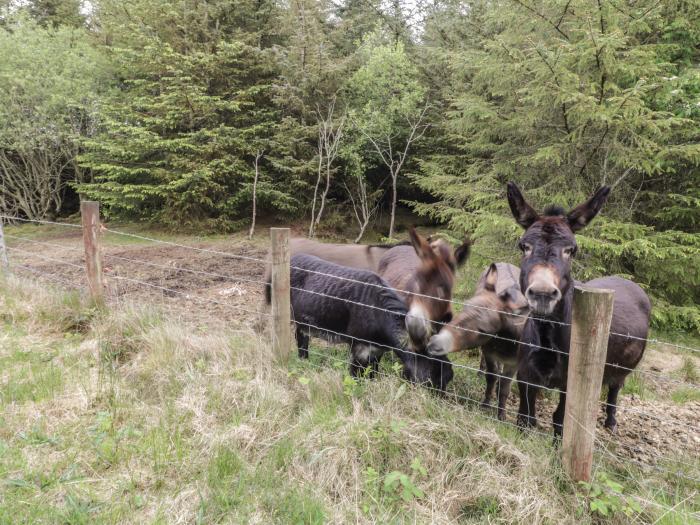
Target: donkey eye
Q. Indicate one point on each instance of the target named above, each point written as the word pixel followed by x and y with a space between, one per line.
pixel 526 248
pixel 569 251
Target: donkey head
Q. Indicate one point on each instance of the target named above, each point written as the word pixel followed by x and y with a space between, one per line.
pixel 434 371
pixel 432 285
pixel 487 313
pixel 548 245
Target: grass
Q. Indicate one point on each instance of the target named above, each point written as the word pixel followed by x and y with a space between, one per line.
pixel 127 416
pixel 684 395
pixel 689 370
pixel 635 384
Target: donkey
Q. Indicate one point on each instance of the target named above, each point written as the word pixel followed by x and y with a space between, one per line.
pixel 548 246
pixel 497 308
pixel 424 275
pixel 342 304
pixel 360 256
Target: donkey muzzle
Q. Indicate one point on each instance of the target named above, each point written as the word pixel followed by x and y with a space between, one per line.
pixel 418 325
pixel 440 344
pixel 542 302
pixel 542 294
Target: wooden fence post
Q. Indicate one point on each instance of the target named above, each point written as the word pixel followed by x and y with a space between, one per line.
pixel 4 263
pixel 90 214
pixel 590 328
pixel 281 309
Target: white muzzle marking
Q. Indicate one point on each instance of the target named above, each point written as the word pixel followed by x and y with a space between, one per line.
pixel 543 293
pixel 441 343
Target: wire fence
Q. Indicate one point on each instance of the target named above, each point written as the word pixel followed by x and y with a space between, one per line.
pixel 656 375
pixel 234 278
pixel 76 264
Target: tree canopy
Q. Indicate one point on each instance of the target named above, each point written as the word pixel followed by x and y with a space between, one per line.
pixel 341 112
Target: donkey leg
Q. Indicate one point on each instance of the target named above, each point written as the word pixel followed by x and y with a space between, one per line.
pixel 504 390
pixel 360 359
pixel 302 338
pixel 558 416
pixel 375 368
pixel 526 411
pixel 611 408
pixel 491 368
pixel 375 355
pixel 482 365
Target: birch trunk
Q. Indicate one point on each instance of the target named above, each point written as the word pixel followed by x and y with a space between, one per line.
pixel 258 156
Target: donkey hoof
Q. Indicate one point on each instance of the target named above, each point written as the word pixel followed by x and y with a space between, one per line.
pixel 485 405
pixel 611 426
pixel 525 422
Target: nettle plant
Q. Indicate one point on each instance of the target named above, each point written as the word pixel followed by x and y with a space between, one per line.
pixel 396 486
pixel 606 497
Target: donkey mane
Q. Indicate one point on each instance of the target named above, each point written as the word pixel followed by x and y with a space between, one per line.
pixel 388 246
pixel 554 211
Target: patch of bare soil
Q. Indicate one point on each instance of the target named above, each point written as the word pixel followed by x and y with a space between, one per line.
pixel 200 287
pixel 658 433
pixel 655 433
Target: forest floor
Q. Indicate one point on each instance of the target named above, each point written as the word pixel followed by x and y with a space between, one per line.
pixel 206 291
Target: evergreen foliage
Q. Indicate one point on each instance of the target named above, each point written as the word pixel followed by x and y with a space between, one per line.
pixel 180 137
pixel 565 96
pixel 180 104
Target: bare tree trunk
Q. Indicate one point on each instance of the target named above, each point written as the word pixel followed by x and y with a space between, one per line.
pixel 258 156
pixel 394 177
pixel 33 182
pixel 394 157
pixel 364 207
pixel 329 138
pixel 325 193
pixel 312 231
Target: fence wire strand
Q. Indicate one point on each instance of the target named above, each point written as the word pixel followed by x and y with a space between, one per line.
pixel 264 261
pixel 494 336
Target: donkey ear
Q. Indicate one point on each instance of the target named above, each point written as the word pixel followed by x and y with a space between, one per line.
pixel 581 215
pixel 423 249
pixel 462 252
pixel 491 278
pixel 524 214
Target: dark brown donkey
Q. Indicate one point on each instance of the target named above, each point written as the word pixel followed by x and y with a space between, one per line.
pixel 548 246
pixel 496 309
pixel 424 275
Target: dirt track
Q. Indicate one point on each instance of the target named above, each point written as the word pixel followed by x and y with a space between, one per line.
pixel 198 286
pixel 210 290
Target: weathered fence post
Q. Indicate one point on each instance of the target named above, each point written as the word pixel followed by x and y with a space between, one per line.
pixel 281 310
pixel 4 263
pixel 590 328
pixel 90 214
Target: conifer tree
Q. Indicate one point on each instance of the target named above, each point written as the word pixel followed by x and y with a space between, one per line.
pixel 562 97
pixel 195 108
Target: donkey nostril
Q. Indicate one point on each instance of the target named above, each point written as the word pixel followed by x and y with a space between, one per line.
pixel 552 293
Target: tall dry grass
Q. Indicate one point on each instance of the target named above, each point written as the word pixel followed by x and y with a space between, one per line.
pixel 127 416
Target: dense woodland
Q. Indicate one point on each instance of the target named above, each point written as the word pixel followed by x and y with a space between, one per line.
pixel 210 113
